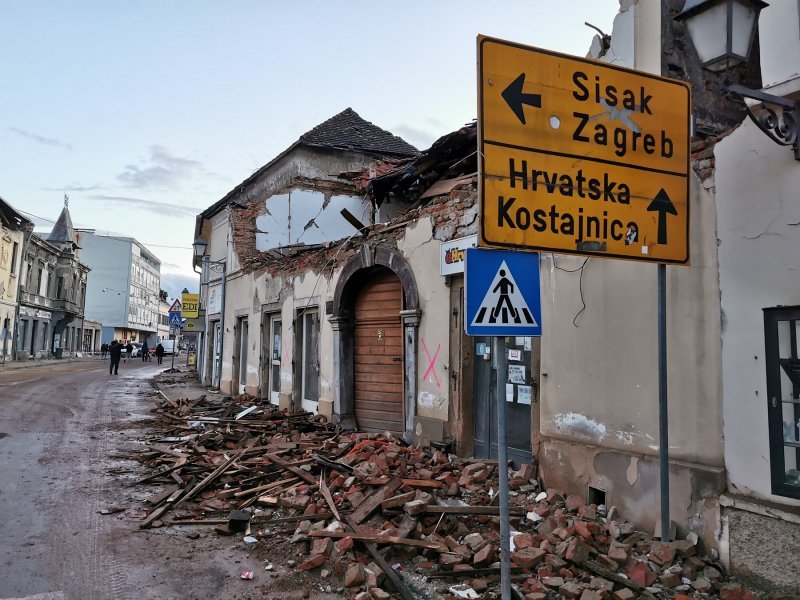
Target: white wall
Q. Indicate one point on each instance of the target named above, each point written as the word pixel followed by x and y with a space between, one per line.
pixel 599 362
pixel 779 37
pixel 110 262
pixel 758 212
pixel 421 251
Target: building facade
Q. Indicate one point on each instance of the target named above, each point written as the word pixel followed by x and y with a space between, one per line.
pixel 15 230
pixel 52 294
pixel 123 293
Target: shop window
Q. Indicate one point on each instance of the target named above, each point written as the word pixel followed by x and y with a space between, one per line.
pixel 782 332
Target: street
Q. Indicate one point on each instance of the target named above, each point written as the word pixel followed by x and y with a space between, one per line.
pixel 61 427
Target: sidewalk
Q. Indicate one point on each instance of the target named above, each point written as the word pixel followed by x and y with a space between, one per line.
pixel 42 362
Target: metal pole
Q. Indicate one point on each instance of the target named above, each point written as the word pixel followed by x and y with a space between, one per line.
pixel 663 413
pixel 501 370
pixel 175 347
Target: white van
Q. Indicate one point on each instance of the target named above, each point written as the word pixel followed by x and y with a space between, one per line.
pixel 169 346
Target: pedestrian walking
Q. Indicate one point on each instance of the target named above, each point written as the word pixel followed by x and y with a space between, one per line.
pixel 145 351
pixel 159 352
pixel 115 351
pixel 129 351
pixel 103 350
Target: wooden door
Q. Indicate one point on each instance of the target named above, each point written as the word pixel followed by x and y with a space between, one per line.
pixel 378 355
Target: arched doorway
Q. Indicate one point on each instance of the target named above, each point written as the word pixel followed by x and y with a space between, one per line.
pixel 378 354
pixel 372 273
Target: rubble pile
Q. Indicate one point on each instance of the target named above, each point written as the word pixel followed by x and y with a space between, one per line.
pixel 384 519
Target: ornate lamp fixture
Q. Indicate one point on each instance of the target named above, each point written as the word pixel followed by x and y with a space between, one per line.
pixel 722 32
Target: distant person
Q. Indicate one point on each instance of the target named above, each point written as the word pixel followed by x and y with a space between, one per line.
pixel 103 350
pixel 129 350
pixel 159 353
pixel 145 351
pixel 115 351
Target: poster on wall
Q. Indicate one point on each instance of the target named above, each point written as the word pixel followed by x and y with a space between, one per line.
pixel 516 374
pixel 524 394
pixel 514 354
pixel 509 392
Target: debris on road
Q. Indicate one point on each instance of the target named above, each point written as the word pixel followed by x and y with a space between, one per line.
pixel 379 515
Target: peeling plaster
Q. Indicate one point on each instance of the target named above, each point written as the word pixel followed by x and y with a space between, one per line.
pixel 579 425
pixel 632 474
pixel 431 401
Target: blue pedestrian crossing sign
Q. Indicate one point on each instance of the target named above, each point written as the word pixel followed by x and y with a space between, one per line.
pixel 502 293
pixel 175 320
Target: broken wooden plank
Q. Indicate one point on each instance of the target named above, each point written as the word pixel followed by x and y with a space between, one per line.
pixel 377 538
pixel 156 514
pixel 304 475
pixel 264 488
pixel 326 493
pixel 373 501
pixel 472 510
pixel 208 479
pixel 157 499
pixel 423 483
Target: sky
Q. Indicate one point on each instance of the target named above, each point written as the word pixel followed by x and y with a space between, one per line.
pixel 145 113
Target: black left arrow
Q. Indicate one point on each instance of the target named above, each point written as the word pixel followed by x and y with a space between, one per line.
pixel 663 205
pixel 515 97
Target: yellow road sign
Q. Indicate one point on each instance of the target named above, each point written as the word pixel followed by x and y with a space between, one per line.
pixel 581 157
pixel 190 303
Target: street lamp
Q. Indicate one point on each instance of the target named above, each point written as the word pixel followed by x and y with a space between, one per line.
pixel 722 32
pixel 218 266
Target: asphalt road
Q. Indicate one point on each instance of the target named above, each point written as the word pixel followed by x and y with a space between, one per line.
pixel 63 432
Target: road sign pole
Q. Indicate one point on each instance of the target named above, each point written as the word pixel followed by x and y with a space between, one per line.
pixel 663 413
pixel 175 343
pixel 501 368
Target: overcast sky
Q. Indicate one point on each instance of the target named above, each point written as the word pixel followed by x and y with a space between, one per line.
pixel 147 112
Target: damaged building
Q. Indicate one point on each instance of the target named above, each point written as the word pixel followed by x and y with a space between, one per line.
pixel 334 300
pixel 333 282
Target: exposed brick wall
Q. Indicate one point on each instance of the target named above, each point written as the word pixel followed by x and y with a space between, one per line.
pixel 453 215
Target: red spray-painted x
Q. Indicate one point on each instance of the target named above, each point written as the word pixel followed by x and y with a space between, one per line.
pixel 431 362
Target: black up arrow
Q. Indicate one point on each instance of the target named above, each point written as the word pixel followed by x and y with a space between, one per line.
pixel 663 205
pixel 515 98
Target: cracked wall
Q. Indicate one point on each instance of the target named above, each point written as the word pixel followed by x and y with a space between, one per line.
pixel 759 255
pixel 599 392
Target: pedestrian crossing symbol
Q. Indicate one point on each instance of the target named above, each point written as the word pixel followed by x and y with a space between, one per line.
pixel 502 293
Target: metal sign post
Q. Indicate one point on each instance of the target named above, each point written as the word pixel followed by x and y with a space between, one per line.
pixel 501 367
pixel 176 322
pixel 502 298
pixel 663 413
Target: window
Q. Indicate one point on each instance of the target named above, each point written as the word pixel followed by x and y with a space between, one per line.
pixel 309 360
pixel 14 253
pixel 274 352
pixel 782 332
pixel 60 288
